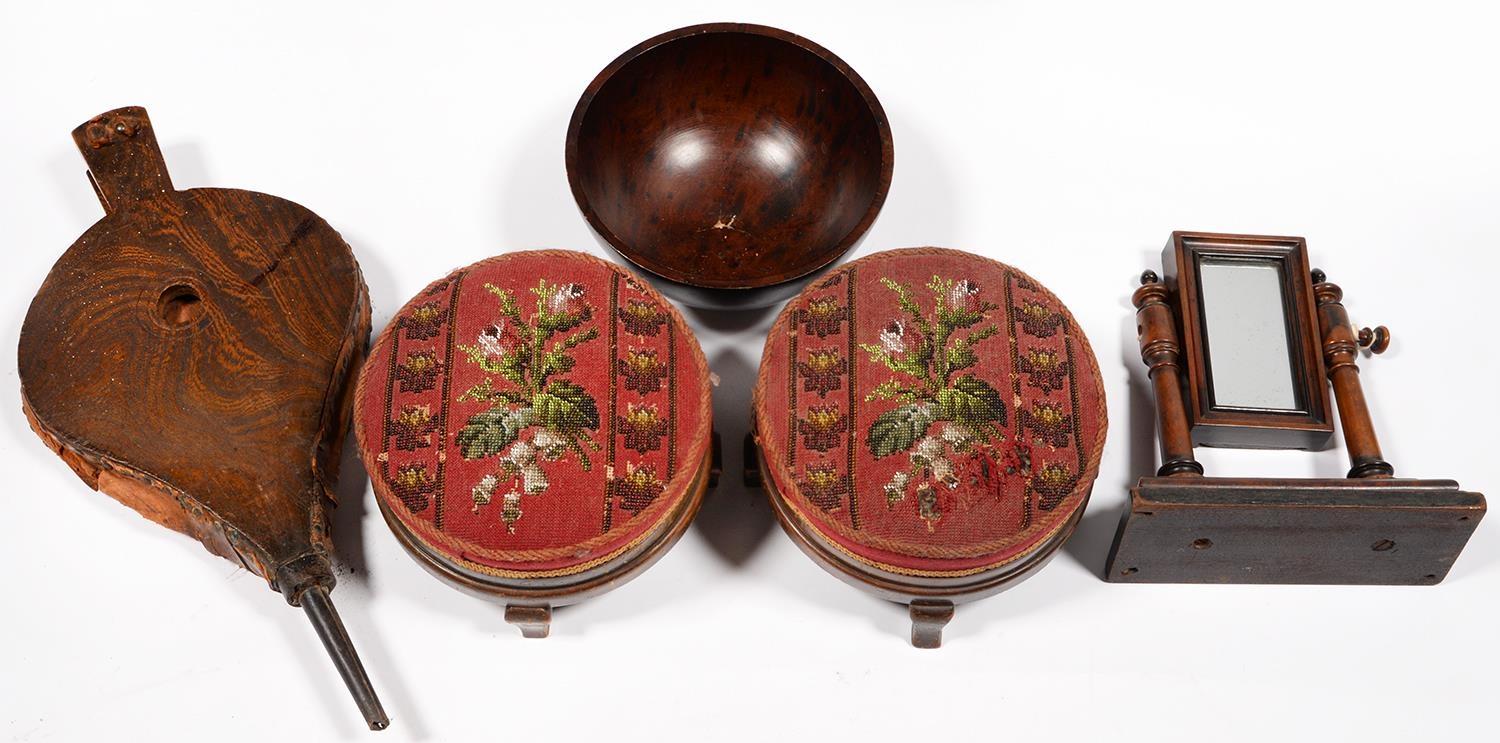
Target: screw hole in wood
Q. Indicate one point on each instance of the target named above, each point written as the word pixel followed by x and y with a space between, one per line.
pixel 1202 543
pixel 1383 545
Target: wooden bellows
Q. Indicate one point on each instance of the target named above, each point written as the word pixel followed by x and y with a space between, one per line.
pixel 190 356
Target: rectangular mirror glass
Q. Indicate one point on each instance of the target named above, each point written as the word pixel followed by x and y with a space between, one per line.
pixel 1245 319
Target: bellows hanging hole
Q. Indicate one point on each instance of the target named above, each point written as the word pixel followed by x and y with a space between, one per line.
pixel 179 305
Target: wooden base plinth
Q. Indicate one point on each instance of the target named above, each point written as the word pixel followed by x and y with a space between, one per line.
pixel 1352 531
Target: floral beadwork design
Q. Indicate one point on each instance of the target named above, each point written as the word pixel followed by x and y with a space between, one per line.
pixel 1038 319
pixel 413 427
pixel 638 488
pixel 642 317
pixel 419 371
pixel 823 428
pixel 536 415
pixel 413 484
pixel 423 321
pixel 823 371
pixel 643 370
pixel 824 316
pixel 1049 421
pixel 824 486
pixel 1046 369
pixel 1052 484
pixel 643 427
pixel 949 421
pixel 973 407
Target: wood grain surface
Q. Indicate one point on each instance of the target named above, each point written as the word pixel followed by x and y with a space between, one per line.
pixel 189 355
pixel 729 156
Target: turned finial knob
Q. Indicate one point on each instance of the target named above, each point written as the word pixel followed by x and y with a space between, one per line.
pixel 1318 276
pixel 1376 340
pixel 1149 277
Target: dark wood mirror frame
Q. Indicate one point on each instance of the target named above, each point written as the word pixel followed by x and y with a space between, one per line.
pixel 1310 424
pixel 1370 528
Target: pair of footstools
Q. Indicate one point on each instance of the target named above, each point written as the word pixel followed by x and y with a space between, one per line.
pixel 538 428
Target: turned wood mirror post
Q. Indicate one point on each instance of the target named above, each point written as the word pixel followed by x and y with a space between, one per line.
pixel 1340 349
pixel 1160 351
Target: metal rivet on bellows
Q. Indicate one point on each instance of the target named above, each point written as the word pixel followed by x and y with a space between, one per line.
pixel 101 133
pixel 1383 545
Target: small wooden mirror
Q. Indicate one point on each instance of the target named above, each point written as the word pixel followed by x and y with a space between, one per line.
pixel 1262 340
pixel 1249 328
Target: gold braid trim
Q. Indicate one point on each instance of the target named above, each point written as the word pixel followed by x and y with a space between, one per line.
pixel 813 527
pixel 556 572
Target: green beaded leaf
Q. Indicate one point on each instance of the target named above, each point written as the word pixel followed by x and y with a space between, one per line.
pixel 971 401
pixel 564 406
pixel 896 430
pixel 488 433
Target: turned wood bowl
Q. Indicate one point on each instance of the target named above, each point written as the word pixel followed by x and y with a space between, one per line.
pixel 732 162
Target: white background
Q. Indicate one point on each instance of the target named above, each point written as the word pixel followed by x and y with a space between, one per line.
pixel 1068 140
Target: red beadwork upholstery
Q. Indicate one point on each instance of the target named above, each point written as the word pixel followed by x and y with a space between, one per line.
pixel 534 415
pixel 929 412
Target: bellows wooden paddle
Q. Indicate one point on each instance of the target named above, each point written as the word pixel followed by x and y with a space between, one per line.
pixel 191 354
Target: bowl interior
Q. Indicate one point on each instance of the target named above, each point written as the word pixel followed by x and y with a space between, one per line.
pixel 730 159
